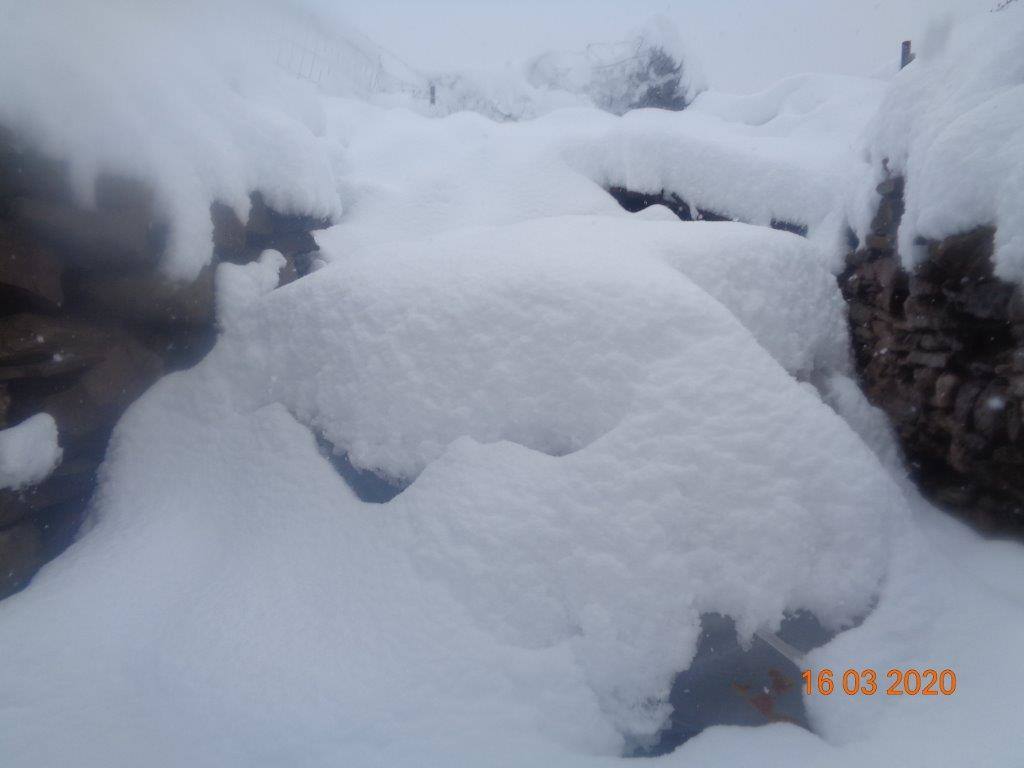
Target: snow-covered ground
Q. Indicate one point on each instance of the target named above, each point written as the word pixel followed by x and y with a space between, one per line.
pixel 607 426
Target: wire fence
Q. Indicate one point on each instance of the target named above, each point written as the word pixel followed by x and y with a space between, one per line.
pixel 340 66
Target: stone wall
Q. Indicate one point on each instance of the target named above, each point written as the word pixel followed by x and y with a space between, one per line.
pixel 88 322
pixel 941 350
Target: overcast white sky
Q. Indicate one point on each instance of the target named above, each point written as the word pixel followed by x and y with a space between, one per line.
pixel 744 45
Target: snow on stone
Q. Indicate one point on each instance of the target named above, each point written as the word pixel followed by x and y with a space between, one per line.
pixel 29 452
pixel 238 285
pixel 600 452
pixel 181 100
pixel 951 123
pixel 604 420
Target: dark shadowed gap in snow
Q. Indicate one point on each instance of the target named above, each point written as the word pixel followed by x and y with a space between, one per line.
pixel 366 484
pixel 634 202
pixel 728 685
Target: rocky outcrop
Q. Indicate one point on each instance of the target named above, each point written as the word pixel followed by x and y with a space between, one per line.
pixel 941 350
pixel 88 322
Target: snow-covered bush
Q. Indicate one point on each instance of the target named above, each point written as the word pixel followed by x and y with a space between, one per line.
pixel 652 69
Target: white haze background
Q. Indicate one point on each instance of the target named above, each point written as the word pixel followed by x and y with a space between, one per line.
pixel 745 45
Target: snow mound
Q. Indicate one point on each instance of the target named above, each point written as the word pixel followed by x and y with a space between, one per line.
pixel 238 285
pixel 29 452
pixel 952 125
pixel 408 177
pixel 604 453
pixel 424 380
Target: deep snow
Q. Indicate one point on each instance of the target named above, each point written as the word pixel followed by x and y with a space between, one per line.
pixel 609 423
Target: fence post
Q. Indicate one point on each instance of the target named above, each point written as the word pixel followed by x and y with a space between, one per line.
pixel 905 54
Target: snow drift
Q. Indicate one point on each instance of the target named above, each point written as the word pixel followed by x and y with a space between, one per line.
pixel 605 422
pixel 601 452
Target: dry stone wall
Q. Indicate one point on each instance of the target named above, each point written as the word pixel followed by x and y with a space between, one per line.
pixel 940 349
pixel 88 322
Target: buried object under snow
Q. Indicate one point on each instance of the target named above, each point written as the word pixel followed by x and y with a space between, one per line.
pixel 727 684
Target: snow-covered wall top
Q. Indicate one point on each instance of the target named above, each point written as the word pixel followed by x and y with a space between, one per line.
pixel 180 95
pixel 951 123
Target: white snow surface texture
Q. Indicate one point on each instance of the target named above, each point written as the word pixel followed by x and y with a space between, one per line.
pixel 607 429
pixel 29 451
pixel 953 123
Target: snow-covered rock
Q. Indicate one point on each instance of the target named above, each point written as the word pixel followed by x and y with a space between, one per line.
pixel 186 101
pixel 29 452
pixel 951 124
pixel 600 450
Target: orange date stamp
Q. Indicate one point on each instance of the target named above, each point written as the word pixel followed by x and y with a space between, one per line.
pixel 865 682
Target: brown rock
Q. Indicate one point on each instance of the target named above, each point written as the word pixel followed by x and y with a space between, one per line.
pixel 878 242
pixel 20 557
pixel 1015 307
pixel 955 495
pixel 228 231
pixel 59 365
pixel 126 196
pixel 264 220
pixel 27 174
pixel 71 480
pixel 966 255
pixel 964 403
pixel 990 412
pixel 932 342
pixel 860 313
pixel 923 313
pixel 87 239
pixel 945 391
pixel 985 299
pixel 891 186
pixel 1007 455
pixel 886 220
pixel 147 296
pixel 28 338
pixel 929 359
pixel 1014 427
pixel 103 392
pixel 964 450
pixel 30 269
